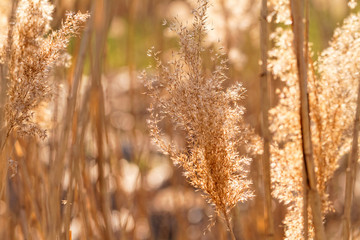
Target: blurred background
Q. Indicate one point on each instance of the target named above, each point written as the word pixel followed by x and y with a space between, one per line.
pixel 97 173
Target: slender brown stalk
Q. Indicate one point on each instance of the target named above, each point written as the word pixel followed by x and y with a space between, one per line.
pixel 58 162
pixel 130 56
pixel 351 173
pixel 228 224
pixel 305 204
pixel 297 11
pixel 4 131
pixel 31 191
pixel 102 19
pixel 305 186
pixel 3 68
pixel 78 141
pixel 265 106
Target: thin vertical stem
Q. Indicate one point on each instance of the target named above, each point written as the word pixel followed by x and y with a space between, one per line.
pixel 130 55
pixel 351 173
pixel 265 106
pixel 305 186
pixel 57 164
pixel 228 224
pixel 102 19
pixel 297 14
pixel 5 130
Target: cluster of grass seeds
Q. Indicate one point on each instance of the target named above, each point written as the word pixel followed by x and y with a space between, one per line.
pixel 32 50
pixel 209 115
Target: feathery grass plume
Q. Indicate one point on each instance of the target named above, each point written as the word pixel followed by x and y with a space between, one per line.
pixel 332 101
pixel 334 97
pixel 210 117
pixel 32 53
pixel 338 85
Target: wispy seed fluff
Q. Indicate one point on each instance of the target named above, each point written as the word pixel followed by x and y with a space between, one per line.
pixel 209 116
pixel 332 82
pixel 32 52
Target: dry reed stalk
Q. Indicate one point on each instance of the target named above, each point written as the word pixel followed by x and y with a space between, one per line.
pixel 351 173
pixel 305 206
pixel 30 190
pixel 86 194
pixel 305 185
pixel 265 106
pixel 297 8
pixel 102 18
pixel 79 167
pixel 228 224
pixel 75 159
pixel 4 87
pixel 57 166
pixel 68 204
pixel 130 58
pixel 78 191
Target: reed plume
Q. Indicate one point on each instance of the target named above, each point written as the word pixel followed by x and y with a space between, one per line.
pixel 32 50
pixel 332 90
pixel 210 117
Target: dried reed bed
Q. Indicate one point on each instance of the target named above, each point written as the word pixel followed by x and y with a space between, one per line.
pixel 77 161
